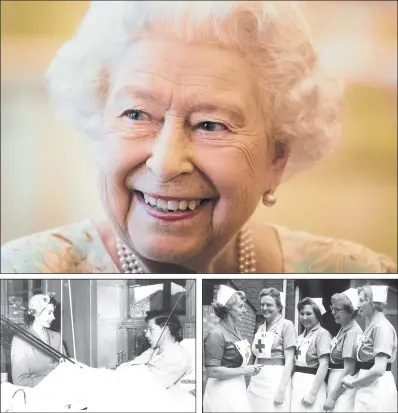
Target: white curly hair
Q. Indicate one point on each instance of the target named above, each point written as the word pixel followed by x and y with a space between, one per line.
pixel 302 104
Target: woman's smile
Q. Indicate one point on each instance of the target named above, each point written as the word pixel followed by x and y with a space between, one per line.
pixel 172 208
pixel 195 116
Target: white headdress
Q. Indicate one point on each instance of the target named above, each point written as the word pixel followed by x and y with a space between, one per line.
pixel 283 298
pixel 380 293
pixel 352 295
pixel 318 302
pixel 224 294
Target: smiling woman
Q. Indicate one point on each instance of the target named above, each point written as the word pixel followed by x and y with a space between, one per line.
pixel 195 113
pixel 227 356
pixel 29 364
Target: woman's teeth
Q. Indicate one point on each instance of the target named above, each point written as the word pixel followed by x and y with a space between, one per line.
pixel 174 205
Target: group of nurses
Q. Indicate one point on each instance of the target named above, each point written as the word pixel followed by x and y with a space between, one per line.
pixel 313 372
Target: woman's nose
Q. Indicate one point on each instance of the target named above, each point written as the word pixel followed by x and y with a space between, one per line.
pixel 170 153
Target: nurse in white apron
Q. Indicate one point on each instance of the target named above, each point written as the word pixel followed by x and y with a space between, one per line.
pixel 311 359
pixel 343 352
pixel 273 346
pixel 226 356
pixel 376 350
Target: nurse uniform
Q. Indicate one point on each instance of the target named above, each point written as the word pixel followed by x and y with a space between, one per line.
pixel 379 337
pixel 343 346
pixel 268 347
pixel 225 347
pixel 311 346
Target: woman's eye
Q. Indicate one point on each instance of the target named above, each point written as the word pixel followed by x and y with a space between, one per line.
pixel 212 126
pixel 135 114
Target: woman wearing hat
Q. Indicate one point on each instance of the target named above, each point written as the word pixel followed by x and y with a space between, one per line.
pixel 227 356
pixel 311 360
pixel 376 351
pixel 343 351
pixel 274 345
pixel 29 364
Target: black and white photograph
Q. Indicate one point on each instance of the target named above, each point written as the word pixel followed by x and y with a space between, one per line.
pixel 307 345
pixel 98 345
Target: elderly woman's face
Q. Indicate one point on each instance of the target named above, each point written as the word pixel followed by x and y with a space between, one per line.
pixel 341 316
pixel 365 305
pixel 238 309
pixel 184 158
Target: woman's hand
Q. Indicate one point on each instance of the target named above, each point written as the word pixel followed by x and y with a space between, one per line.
pixel 251 370
pixel 348 382
pixel 329 404
pixel 308 399
pixel 279 397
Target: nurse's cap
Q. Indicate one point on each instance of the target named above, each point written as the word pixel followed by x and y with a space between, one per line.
pixel 318 302
pixel 352 295
pixel 224 294
pixel 283 298
pixel 380 293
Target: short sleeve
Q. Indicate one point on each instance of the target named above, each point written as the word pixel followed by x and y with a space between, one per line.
pixel 289 335
pixel 383 340
pixel 214 349
pixel 349 346
pixel 323 342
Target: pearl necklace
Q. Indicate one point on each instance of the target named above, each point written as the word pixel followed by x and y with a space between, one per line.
pixel 247 262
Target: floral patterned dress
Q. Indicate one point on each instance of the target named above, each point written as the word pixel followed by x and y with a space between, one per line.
pixel 78 249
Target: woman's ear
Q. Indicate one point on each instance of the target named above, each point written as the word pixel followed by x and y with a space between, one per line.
pixel 279 156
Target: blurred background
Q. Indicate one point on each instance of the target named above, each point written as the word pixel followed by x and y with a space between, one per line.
pixel 47 178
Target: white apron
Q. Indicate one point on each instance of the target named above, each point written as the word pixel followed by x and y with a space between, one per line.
pixel 228 395
pixel 263 386
pixel 302 382
pixel 262 389
pixel 345 402
pixel 379 396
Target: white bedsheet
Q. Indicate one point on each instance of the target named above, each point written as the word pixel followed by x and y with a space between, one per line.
pixel 100 390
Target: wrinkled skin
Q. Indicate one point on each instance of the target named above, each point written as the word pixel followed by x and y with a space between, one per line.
pixel 184 121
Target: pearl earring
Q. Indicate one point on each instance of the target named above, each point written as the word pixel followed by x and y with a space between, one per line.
pixel 269 199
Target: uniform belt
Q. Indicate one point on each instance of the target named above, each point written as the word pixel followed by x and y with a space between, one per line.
pixel 308 370
pixel 271 362
pixel 336 366
pixel 368 365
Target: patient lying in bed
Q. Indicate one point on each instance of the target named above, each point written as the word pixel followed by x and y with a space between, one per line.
pixel 149 383
pixel 72 388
